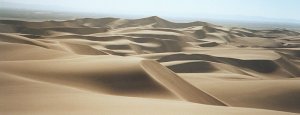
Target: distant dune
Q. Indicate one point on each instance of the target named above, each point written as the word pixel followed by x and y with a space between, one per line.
pixel 146 66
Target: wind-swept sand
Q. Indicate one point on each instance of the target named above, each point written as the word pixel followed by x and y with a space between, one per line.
pixel 146 66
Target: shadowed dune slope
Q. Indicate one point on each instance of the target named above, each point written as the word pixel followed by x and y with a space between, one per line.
pixel 123 76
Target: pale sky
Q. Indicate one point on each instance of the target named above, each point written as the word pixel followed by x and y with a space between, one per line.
pixel 273 9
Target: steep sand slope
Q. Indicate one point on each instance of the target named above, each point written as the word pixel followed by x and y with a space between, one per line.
pixel 178 85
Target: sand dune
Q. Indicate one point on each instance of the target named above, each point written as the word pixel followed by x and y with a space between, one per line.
pixel 122 77
pixel 146 66
pixel 35 98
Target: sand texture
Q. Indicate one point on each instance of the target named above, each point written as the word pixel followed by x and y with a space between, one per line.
pixel 147 66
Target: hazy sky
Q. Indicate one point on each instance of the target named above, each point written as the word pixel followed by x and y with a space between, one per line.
pixel 273 9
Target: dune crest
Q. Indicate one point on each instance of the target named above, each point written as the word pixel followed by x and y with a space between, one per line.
pixel 172 81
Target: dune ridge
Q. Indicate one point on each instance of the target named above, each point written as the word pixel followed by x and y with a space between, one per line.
pixel 185 90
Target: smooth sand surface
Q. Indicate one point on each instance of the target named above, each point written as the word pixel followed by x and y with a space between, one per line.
pixel 146 66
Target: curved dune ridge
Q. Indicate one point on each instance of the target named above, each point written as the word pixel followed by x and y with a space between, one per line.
pixel 146 66
pixel 171 81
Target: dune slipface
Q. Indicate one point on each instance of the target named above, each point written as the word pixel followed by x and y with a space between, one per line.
pixel 146 66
